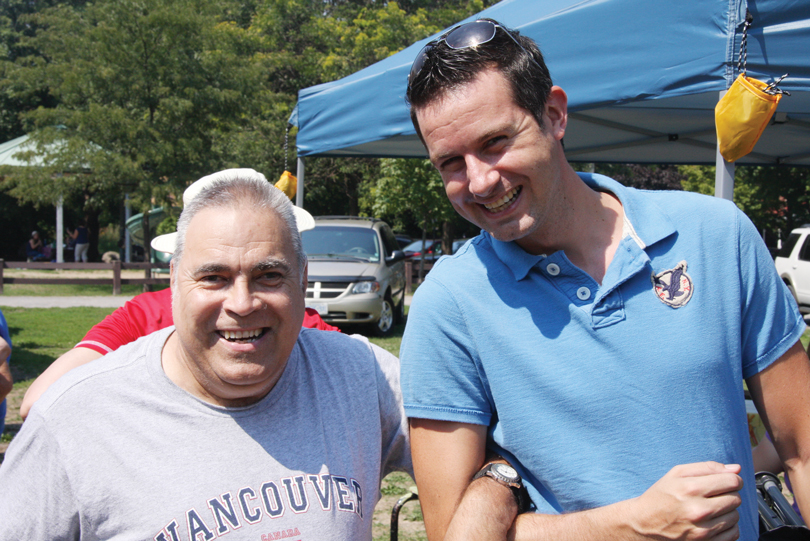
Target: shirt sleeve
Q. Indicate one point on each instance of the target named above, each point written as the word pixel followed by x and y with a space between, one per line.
pixel 37 500
pixel 771 322
pixel 144 314
pixel 313 320
pixel 441 375
pixel 396 451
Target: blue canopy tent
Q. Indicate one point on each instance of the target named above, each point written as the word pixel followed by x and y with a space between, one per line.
pixel 642 80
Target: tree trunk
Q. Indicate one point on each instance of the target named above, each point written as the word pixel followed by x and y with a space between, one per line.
pixel 448 234
pixel 422 260
pixel 92 225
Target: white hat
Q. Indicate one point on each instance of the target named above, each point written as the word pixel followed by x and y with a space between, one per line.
pixel 166 243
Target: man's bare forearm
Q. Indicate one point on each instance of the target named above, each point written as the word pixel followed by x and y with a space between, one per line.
pixel 487 511
pixel 693 501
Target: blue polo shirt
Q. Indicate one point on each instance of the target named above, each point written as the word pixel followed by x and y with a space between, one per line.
pixel 596 391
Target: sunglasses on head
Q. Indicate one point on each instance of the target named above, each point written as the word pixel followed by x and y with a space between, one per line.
pixel 462 37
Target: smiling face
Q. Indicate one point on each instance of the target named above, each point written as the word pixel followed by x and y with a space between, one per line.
pixel 237 303
pixel 501 171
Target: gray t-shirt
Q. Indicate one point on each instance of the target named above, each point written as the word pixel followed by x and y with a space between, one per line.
pixel 115 450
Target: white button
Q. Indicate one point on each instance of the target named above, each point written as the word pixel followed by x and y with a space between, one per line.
pixel 584 293
pixel 553 269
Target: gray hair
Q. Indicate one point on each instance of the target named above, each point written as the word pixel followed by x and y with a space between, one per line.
pixel 243 188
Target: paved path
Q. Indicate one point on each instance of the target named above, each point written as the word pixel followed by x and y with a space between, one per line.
pixel 63 302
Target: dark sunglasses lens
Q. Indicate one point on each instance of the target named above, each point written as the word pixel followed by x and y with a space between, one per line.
pixel 470 35
pixel 419 62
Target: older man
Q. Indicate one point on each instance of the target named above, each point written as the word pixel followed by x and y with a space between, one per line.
pixel 147 312
pixel 233 422
pixel 595 335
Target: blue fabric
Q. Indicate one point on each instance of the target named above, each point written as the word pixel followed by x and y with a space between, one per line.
pixel 663 50
pixel 594 400
pixel 7 338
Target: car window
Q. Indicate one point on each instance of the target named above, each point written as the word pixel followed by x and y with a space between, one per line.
pixel 787 247
pixel 336 242
pixel 804 253
pixel 389 240
pixel 458 244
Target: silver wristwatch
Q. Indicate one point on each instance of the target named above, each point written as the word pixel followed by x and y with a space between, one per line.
pixel 507 476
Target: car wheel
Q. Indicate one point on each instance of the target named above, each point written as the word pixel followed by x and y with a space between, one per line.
pixel 793 293
pixel 385 324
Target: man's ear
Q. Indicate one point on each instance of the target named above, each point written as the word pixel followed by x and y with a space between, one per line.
pixel 304 277
pixel 557 112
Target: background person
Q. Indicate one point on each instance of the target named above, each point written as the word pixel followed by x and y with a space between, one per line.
pixel 594 335
pixel 81 239
pixel 235 421
pixel 34 249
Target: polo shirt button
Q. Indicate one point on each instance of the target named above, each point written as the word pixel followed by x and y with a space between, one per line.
pixel 553 269
pixel 583 293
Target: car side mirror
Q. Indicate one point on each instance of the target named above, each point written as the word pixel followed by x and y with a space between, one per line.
pixel 397 255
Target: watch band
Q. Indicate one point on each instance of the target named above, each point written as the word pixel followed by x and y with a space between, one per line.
pixel 507 476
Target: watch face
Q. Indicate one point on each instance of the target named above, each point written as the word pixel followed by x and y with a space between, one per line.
pixel 506 470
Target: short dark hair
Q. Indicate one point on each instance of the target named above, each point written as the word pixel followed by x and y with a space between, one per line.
pixel 445 68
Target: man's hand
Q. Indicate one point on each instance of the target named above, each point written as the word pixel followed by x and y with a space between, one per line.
pixel 692 501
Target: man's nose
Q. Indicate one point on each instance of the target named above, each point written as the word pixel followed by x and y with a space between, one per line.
pixel 482 176
pixel 241 298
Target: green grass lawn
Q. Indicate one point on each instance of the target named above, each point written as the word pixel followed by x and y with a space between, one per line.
pixel 40 335
pixel 69 290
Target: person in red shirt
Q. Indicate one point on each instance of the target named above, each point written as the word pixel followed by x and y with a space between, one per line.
pixel 142 315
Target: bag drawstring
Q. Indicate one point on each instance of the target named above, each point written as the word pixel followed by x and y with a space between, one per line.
pixel 742 60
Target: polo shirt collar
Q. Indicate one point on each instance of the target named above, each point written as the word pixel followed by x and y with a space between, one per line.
pixel 650 223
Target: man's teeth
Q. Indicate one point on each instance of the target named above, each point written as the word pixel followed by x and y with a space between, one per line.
pixel 503 201
pixel 241 335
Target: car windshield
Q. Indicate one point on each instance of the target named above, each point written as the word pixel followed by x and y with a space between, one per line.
pixel 336 242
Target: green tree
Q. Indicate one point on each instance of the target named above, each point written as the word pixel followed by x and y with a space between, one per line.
pixel 775 198
pixel 410 186
pixel 145 88
pixel 308 42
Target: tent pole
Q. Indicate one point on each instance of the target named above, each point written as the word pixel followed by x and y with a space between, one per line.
pixel 299 195
pixel 724 173
pixel 60 232
pixel 724 179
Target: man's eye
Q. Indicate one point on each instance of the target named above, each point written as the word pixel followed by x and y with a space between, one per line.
pixel 213 278
pixel 452 164
pixel 496 142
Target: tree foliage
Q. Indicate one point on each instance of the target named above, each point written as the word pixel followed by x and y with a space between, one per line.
pixel 144 96
pixel 776 199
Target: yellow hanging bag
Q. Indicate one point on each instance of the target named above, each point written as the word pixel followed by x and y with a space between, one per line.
pixel 742 115
pixel 744 111
pixel 288 184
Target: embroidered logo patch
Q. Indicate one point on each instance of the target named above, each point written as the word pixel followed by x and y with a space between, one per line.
pixel 673 287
